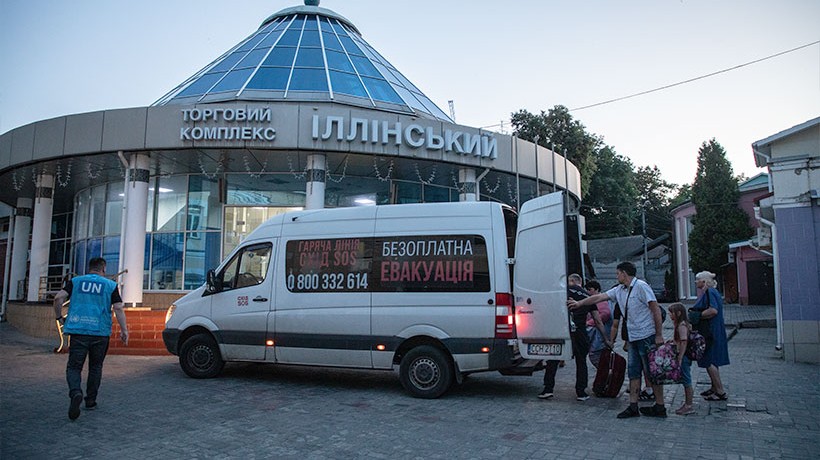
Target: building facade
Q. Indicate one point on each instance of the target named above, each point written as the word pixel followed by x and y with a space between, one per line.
pixel 303 113
pixel 791 217
pixel 748 276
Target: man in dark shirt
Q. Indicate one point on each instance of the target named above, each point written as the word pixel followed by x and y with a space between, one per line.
pixel 580 342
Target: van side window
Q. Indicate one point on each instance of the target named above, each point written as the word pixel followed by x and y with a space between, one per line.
pixel 248 267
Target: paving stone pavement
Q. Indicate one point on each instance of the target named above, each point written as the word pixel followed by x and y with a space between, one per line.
pixel 148 409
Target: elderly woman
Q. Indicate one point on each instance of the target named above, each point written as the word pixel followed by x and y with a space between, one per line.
pixel 710 304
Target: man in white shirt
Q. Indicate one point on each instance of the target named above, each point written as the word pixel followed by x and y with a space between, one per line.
pixel 644 325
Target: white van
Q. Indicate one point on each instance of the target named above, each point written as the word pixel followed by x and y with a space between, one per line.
pixel 439 290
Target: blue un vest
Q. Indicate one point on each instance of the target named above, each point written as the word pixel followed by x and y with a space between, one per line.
pixel 90 310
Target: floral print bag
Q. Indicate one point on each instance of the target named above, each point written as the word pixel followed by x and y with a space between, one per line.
pixel 663 365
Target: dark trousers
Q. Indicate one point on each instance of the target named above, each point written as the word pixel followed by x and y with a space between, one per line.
pixel 95 348
pixel 580 349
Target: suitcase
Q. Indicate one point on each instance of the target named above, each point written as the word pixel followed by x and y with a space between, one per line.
pixel 610 375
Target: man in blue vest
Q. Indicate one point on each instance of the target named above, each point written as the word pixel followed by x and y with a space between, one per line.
pixel 89 323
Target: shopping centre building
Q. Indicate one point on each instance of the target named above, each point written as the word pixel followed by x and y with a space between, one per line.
pixel 303 113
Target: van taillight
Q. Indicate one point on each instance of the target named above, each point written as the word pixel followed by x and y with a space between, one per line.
pixel 504 316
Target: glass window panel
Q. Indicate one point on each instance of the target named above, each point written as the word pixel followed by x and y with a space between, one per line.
pixel 79 258
pixel 233 81
pixel 324 25
pixel 361 191
pixel 297 23
pixel 410 99
pixel 146 272
pixel 58 226
pixel 97 214
pixel 270 40
pixel 113 208
pixel 166 260
pixel 365 67
pixel 83 208
pixel 338 28
pixel 405 82
pixel 149 218
pixel 57 252
pixel 290 38
pixel 252 59
pixel 201 255
pixel 311 24
pixel 203 204
pixel 350 47
pixel 331 42
pixel 111 254
pixel 386 73
pixel 433 194
pixel 339 61
pixel 247 268
pixel 310 57
pixel 280 56
pixel 171 201
pixel 347 83
pixel 270 78
pixel 310 38
pixel 408 192
pixel 241 221
pixel 308 80
pixel 201 85
pixel 253 41
pixel 267 189
pixel 68 225
pixel 93 249
pixel 381 90
pixel 228 62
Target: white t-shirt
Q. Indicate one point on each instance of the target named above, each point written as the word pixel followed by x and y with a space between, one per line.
pixel 639 320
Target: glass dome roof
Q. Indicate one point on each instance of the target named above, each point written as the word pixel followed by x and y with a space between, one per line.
pixel 305 53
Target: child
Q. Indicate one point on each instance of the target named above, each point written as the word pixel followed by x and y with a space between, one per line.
pixel 679 317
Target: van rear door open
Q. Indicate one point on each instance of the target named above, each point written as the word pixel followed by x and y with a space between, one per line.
pixel 539 280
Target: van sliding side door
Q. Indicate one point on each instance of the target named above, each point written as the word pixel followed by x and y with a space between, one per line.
pixel 539 280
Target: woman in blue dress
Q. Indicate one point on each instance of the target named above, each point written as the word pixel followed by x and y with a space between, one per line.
pixel 710 303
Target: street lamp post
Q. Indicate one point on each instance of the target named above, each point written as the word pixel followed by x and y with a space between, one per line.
pixel 643 223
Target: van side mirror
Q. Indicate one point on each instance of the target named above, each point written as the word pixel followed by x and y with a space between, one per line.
pixel 214 282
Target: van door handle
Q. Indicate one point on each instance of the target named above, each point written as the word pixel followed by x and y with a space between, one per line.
pixel 259 298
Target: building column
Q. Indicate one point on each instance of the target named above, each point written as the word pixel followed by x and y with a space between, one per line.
pixel 19 248
pixel 135 211
pixel 316 178
pixel 467 186
pixel 40 234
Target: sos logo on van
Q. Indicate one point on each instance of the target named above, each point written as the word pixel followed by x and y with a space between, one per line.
pixel 434 263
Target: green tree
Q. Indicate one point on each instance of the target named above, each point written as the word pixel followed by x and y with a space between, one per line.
pixel 718 220
pixel 610 205
pixel 556 129
pixel 655 194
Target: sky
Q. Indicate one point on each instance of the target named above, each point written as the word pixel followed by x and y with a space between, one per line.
pixel 491 58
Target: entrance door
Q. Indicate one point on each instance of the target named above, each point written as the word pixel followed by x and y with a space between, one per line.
pixel 241 220
pixel 760 279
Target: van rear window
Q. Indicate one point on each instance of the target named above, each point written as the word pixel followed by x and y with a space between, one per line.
pixel 433 263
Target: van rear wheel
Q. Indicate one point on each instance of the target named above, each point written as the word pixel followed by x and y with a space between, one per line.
pixel 199 357
pixel 426 372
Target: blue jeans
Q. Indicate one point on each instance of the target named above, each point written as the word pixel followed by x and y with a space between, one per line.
pixel 95 348
pixel 686 372
pixel 639 357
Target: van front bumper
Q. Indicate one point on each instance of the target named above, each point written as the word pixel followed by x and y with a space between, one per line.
pixel 171 339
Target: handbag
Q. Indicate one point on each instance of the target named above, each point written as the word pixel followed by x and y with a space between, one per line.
pixel 695 346
pixel 664 368
pixel 698 322
pixel 624 331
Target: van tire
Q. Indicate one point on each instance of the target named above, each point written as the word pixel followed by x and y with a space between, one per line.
pixel 199 357
pixel 426 372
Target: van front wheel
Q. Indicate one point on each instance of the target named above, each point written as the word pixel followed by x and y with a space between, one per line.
pixel 199 357
pixel 426 372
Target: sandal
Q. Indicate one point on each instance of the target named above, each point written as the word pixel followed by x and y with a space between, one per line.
pixel 708 392
pixel 685 410
pixel 717 397
pixel 644 396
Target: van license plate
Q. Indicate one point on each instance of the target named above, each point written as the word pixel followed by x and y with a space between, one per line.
pixel 544 349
